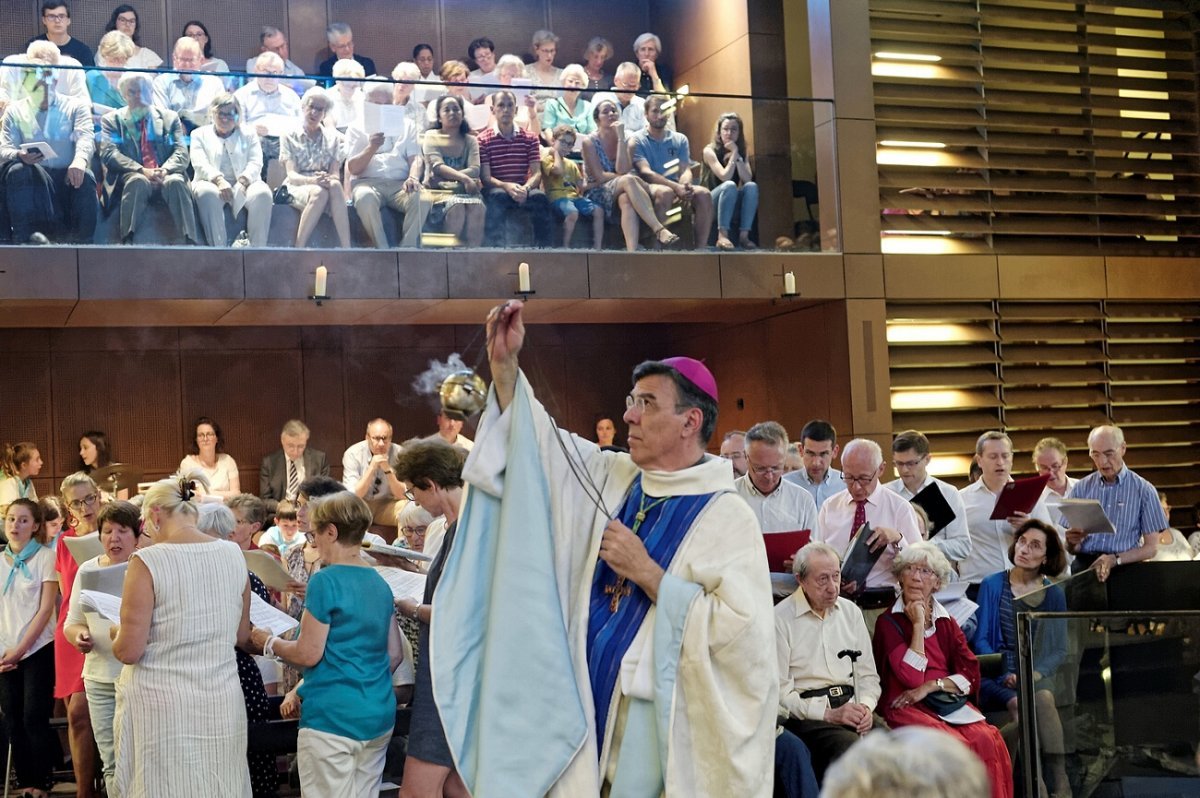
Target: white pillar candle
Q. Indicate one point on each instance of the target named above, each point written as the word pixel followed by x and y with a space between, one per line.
pixel 789 283
pixel 322 280
pixel 523 278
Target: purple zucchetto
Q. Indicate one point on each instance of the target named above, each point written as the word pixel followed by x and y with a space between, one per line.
pixel 695 371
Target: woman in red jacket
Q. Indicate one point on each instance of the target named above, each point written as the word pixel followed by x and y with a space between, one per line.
pixel 926 670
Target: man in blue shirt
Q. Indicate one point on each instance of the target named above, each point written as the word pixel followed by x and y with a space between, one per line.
pixel 818 448
pixel 662 158
pixel 1130 502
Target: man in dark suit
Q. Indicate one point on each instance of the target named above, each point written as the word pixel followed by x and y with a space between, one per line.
pixel 144 152
pixel 282 471
pixel 341 44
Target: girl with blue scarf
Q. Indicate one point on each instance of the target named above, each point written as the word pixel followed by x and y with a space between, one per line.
pixel 28 587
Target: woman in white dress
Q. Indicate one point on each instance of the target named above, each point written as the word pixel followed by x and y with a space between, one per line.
pixel 208 456
pixel 180 722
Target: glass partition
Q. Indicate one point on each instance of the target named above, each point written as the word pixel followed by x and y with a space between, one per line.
pixel 1120 714
pixel 264 172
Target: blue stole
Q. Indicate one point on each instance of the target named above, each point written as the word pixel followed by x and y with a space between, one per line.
pixel 611 632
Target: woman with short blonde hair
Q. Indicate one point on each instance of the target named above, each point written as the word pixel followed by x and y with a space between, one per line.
pixel 313 156
pixel 185 605
pixel 349 644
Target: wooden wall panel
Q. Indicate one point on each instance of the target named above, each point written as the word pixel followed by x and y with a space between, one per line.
pixel 134 396
pixel 25 410
pixel 791 368
pixel 145 386
pixel 386 30
pixel 249 393
pixel 382 387
pixel 511 30
pixel 233 25
pixel 323 406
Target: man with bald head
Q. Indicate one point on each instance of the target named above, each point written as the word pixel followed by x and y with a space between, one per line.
pixel 189 92
pixel 894 523
pixel 816 686
pixel 1130 502
pixel 388 171
pixel 733 449
pixel 367 473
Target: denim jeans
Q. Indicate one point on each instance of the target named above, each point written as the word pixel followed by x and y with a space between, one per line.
pixel 726 196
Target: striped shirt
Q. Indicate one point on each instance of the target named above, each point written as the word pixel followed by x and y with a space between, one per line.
pixel 1131 504
pixel 509 158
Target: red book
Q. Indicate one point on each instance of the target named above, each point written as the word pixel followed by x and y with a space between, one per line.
pixel 783 546
pixel 1019 497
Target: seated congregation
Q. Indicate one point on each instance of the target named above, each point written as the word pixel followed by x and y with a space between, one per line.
pixel 901 648
pixel 508 154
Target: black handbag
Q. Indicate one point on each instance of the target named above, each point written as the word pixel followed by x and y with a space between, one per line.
pixel 944 702
pixel 282 196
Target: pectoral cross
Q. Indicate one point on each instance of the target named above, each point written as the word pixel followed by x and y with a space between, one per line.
pixel 618 590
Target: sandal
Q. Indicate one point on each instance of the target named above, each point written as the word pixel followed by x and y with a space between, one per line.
pixel 746 243
pixel 666 237
pixel 724 243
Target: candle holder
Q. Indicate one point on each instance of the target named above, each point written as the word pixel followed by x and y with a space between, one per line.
pixel 318 298
pixel 789 285
pixel 524 295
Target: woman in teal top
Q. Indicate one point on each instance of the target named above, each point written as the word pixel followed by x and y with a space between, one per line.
pixel 115 50
pixel 349 645
pixel 569 109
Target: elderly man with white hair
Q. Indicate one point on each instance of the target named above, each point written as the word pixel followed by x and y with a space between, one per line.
pixel 267 104
pixel 187 92
pixel 655 77
pixel 1130 502
pixel 894 523
pixel 144 152
pixel 389 169
pixel 268 94
pixel 70 82
pixel 817 687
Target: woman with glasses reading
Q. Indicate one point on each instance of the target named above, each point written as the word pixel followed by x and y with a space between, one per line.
pixel 928 674
pixel 83 500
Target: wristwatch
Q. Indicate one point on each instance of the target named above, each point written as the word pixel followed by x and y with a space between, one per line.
pixel 1117 559
pixel 940 686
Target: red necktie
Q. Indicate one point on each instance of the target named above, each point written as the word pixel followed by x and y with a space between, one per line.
pixel 860 517
pixel 149 159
